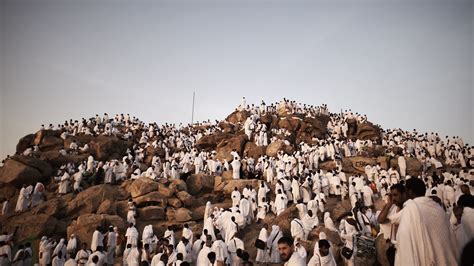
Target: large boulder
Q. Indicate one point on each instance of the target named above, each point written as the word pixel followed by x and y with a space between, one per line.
pixel 107 207
pixel 41 134
pixel 290 123
pixel 284 219
pixel 152 199
pixel 49 143
pixel 55 207
pixel 356 165
pixel 25 143
pixel 31 226
pixel 43 167
pixel 17 174
pixel 414 166
pixel 185 198
pixel 182 215
pixel 236 143
pixel 86 224
pixel 152 213
pixel 57 160
pixel 89 200
pixel 200 183
pixel 252 150
pixel 105 148
pixel 228 186
pixel 210 142
pixel 367 130
pixel 238 117
pixel 142 186
pixel 276 146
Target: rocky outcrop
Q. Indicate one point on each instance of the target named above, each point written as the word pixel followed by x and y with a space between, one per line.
pixel 21 170
pixel 199 184
pixel 236 143
pixel 276 146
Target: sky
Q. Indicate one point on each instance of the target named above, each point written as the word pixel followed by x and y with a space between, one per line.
pixel 406 64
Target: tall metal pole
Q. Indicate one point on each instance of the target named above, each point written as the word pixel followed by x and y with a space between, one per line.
pixel 192 115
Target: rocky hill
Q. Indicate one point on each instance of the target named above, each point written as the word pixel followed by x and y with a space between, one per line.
pixel 165 203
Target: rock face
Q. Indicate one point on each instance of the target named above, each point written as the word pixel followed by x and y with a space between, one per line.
pixel 210 142
pixel 357 164
pixel 107 148
pixel 200 183
pixel 414 166
pixel 279 145
pixel 31 226
pixel 89 200
pixel 142 186
pixel 238 117
pixel 86 224
pixel 226 146
pixel 21 170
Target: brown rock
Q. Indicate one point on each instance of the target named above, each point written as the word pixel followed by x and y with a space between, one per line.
pixel 210 142
pixel 276 146
pixel 328 165
pixel 185 198
pixel 165 190
pixel 384 162
pixel 31 226
pixel 238 117
pixel 178 185
pixel 41 134
pixel 200 183
pixel 17 174
pixel 43 167
pixel 107 207
pixel 142 186
pixel 357 164
pixel 290 123
pixel 236 143
pixel 152 213
pixel 367 131
pixel 175 203
pixel 240 184
pixel 49 143
pixel 252 150
pixel 53 207
pixel 414 166
pixel 152 198
pixel 25 143
pixel 86 224
pixel 284 219
pixel 105 148
pixel 182 215
pixel 89 200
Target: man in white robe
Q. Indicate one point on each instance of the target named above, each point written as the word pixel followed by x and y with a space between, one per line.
pixel 424 221
pixel 97 239
pixel 297 229
pixel 272 244
pixel 262 254
pixel 132 235
pixel 235 168
pixel 245 210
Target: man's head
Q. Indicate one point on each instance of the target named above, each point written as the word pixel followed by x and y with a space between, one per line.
pixel 324 247
pixel 415 188
pixel 398 194
pixel 286 248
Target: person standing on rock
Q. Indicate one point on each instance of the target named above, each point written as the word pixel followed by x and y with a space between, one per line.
pixel 97 239
pixel 22 202
pixel 235 168
pixel 132 235
pixel 235 195
pixel 245 209
pixel 111 244
pixel 402 166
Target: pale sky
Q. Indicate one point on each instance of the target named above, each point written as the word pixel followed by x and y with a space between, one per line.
pixel 406 64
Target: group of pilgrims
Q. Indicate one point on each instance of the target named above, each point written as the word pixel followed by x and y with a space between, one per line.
pixel 425 220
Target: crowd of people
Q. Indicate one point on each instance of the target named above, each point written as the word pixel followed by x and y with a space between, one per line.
pixel 427 219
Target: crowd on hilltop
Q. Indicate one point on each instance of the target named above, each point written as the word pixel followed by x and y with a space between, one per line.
pixel 426 220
